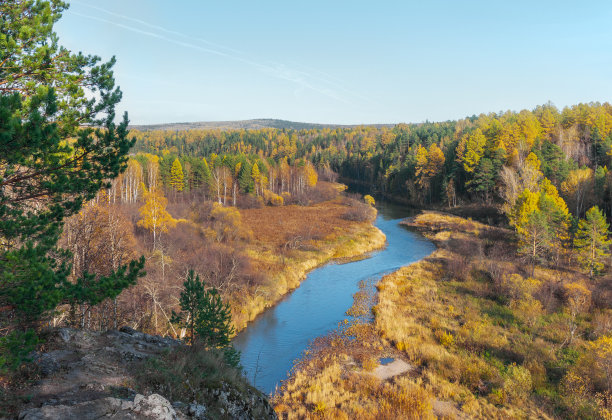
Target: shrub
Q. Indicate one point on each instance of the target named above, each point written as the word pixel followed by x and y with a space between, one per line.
pixel 369 364
pixel 272 199
pixel 369 200
pixel 250 201
pixel 192 373
pixel 445 338
pixel 517 385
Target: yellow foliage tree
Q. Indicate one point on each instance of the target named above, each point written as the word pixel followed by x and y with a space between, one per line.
pixel 176 175
pixel 154 215
pixel 471 149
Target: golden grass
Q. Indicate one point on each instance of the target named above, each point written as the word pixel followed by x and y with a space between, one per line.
pixel 474 357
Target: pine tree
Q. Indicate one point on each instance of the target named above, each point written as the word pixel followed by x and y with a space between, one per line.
pixel 483 181
pixel 207 318
pixel 43 177
pixel 592 241
pixel 177 179
pixel 244 178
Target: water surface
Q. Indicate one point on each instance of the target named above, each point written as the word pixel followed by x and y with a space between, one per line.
pixel 275 339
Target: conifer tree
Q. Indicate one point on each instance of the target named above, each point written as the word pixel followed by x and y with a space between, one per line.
pixel 244 178
pixel 592 241
pixel 45 178
pixel 207 318
pixel 177 179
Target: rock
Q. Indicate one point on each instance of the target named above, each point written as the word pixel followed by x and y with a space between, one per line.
pixel 197 411
pixel 153 407
pixel 86 374
pixel 127 330
pixel 66 334
pixel 47 363
pixel 89 410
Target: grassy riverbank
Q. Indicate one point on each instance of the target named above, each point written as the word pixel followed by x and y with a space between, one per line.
pixel 290 241
pixel 480 337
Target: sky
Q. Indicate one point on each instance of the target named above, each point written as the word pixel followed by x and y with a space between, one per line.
pixel 345 62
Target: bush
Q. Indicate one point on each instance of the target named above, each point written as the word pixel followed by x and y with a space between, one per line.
pixel 517 385
pixel 358 210
pixel 272 199
pixel 445 338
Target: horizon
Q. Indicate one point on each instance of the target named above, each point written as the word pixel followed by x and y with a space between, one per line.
pixel 345 63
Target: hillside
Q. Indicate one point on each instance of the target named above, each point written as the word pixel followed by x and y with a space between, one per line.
pixel 255 124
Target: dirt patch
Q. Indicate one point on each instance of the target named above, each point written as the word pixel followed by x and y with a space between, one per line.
pixel 397 367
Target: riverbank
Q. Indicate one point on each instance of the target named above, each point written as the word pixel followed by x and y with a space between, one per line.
pixel 480 338
pixel 290 241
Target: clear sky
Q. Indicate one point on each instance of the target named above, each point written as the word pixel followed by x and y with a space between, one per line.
pixel 345 62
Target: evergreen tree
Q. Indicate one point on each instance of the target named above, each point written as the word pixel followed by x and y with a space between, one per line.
pixel 43 177
pixel 483 180
pixel 592 241
pixel 244 178
pixel 207 318
pixel 177 179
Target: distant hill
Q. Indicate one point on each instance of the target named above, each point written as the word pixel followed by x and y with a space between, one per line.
pixel 245 124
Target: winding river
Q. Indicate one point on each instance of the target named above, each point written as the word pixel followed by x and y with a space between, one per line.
pixel 276 338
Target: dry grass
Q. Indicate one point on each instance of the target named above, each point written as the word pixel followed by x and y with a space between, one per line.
pixel 481 343
pixel 290 241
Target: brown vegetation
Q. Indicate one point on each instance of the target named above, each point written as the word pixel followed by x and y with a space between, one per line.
pixel 253 256
pixel 484 338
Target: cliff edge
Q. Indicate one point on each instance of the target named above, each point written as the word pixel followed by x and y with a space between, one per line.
pixel 91 375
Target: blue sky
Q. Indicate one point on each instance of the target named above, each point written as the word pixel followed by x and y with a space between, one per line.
pixel 345 62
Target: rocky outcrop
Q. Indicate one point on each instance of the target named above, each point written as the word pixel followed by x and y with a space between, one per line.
pixel 86 375
pixel 153 407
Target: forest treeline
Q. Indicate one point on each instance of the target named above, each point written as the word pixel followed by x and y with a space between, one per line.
pixel 446 162
pixel 547 168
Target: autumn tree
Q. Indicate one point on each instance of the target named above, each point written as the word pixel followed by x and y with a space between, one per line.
pixel 592 242
pixel 470 150
pixel 578 300
pixel 534 238
pixel 177 180
pixel 429 164
pixel 154 215
pixel 101 241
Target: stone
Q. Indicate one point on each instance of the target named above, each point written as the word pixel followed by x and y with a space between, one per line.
pixel 197 411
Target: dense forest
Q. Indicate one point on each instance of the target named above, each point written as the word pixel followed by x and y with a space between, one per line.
pixel 469 160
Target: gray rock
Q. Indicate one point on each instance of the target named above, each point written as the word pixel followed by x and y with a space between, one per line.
pixel 47 363
pixel 153 407
pixel 197 411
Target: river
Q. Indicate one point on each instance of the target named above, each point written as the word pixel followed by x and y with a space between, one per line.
pixel 275 339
